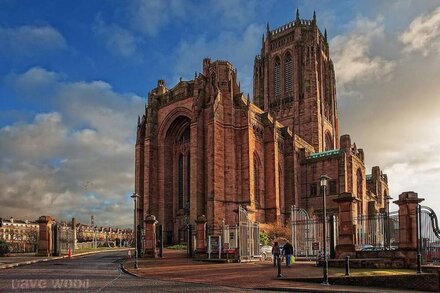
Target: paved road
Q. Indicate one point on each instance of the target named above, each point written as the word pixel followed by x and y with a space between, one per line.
pixel 92 273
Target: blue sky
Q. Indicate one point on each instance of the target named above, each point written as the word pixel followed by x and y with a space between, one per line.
pixel 74 76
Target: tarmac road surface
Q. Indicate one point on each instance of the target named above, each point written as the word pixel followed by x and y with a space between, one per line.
pixel 99 272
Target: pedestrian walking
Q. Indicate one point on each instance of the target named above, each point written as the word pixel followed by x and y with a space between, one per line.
pixel 276 253
pixel 288 251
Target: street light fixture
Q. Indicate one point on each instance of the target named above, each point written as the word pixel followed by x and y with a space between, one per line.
pixel 323 182
pixel 135 198
pixel 388 198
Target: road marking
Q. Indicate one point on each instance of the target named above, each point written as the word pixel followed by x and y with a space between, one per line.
pixel 111 282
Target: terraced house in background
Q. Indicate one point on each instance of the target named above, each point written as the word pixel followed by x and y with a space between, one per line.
pixel 203 148
pixel 21 235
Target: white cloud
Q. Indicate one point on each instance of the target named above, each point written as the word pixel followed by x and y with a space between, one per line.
pixel 352 53
pixel 76 160
pixel 149 16
pixel 423 34
pixel 390 104
pixel 94 103
pixel 26 39
pixel 233 13
pixel 239 48
pixel 117 39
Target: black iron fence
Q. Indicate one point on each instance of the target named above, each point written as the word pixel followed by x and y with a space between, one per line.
pixel 377 232
pixel 429 235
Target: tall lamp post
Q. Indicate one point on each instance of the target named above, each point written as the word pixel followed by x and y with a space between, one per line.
pixel 135 198
pixel 323 182
pixel 388 198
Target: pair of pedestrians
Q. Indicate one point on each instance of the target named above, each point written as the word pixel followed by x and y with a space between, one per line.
pixel 287 251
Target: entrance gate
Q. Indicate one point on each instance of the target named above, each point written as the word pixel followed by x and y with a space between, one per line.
pixel 63 239
pixel 249 236
pixel 307 233
pixel 429 239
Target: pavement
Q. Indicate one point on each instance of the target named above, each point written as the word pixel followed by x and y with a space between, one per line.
pixel 99 272
pixel 20 259
pixel 259 275
pixel 106 271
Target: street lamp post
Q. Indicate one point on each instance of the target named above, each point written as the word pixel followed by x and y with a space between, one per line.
pixel 135 198
pixel 323 182
pixel 418 237
pixel 388 198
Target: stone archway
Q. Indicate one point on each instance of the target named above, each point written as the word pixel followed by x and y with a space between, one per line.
pixel 176 179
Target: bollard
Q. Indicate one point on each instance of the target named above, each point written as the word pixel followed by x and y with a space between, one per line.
pixel 419 263
pixel 278 260
pixel 347 266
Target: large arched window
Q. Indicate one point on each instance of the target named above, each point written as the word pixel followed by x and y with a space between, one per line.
pixel 257 171
pixel 277 76
pixel 328 141
pixel 359 190
pixel 288 74
pixel 280 186
pixel 359 181
pixel 188 184
pixel 180 183
pixel 183 168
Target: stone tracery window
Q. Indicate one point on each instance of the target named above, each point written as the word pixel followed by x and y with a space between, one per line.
pixel 328 141
pixel 180 183
pixel 288 74
pixel 257 170
pixel 183 168
pixel 359 191
pixel 277 77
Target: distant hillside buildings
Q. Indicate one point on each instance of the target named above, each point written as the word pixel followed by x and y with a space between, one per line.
pixel 22 235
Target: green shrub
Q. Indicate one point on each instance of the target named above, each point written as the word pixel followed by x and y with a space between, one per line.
pixel 264 238
pixel 177 247
pixel 4 248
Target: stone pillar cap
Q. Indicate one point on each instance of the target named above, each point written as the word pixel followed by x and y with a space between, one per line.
pixel 150 219
pixel 45 219
pixel 201 219
pixel 408 197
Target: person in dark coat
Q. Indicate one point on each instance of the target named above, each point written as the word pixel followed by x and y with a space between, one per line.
pixel 288 251
pixel 276 253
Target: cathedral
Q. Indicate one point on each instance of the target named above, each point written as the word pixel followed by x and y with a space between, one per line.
pixel 203 148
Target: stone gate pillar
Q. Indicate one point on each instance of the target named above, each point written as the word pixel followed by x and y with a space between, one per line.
pixel 45 237
pixel 201 234
pixel 347 228
pixel 150 236
pixel 407 203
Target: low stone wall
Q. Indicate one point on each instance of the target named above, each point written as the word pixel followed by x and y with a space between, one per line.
pixel 395 259
pixel 80 245
pixel 373 263
pixel 421 282
pixel 393 254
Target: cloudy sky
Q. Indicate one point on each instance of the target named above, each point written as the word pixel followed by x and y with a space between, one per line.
pixel 74 76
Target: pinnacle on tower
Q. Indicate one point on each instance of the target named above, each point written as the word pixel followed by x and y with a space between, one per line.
pixel 297 19
pixel 325 35
pixel 314 16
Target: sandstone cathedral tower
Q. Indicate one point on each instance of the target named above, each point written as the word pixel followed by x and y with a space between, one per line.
pixel 203 148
